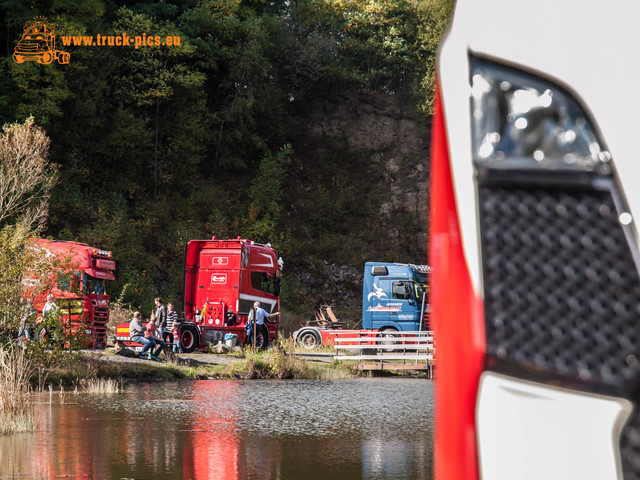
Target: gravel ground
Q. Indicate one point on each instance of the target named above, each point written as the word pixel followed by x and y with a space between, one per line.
pixel 191 359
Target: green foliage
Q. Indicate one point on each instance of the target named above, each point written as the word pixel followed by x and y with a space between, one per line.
pixel 12 263
pixel 266 198
pixel 431 20
pixel 375 41
pixel 55 337
pixel 157 146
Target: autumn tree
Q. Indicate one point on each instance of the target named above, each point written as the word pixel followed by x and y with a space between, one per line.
pixel 26 180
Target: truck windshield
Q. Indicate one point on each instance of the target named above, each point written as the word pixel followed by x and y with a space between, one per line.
pixel 93 285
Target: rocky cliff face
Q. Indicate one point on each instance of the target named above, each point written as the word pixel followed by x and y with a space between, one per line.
pixel 370 143
pixel 396 141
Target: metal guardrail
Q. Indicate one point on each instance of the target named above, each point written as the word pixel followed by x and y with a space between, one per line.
pixel 387 350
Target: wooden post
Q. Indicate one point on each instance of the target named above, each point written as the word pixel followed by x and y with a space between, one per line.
pixel 255 328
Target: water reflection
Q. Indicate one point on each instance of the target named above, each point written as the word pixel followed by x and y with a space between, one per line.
pixel 369 429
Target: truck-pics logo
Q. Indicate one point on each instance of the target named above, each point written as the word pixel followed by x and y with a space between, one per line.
pixel 38 44
pixel 218 279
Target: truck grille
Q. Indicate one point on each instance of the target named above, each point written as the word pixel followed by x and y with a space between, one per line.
pixel 562 293
pixel 100 320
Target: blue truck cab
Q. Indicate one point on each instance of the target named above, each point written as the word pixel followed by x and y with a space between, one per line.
pixel 395 297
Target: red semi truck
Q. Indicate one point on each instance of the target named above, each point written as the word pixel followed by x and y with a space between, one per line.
pixel 222 280
pixel 78 287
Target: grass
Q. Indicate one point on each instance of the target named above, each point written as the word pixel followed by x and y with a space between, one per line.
pixel 95 374
pixel 16 411
pixel 102 386
pixel 279 362
pixel 17 423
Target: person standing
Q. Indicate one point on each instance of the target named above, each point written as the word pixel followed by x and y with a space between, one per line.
pixel 27 316
pixel 160 316
pixel 50 308
pixel 260 315
pixel 137 334
pixel 172 316
pixel 175 332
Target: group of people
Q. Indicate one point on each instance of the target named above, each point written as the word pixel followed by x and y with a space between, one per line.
pixel 151 336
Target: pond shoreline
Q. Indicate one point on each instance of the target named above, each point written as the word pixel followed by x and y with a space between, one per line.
pixel 127 368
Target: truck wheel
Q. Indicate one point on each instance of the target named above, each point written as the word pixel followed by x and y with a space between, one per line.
pixel 389 337
pixel 18 58
pixel 41 335
pixel 262 338
pixel 189 339
pixel 309 339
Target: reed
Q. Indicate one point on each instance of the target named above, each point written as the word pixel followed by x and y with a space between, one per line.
pixel 16 410
pixel 102 386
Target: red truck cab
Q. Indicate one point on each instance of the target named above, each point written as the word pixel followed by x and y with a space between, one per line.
pixel 222 280
pixel 78 287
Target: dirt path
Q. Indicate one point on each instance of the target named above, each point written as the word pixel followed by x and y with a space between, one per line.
pixel 189 359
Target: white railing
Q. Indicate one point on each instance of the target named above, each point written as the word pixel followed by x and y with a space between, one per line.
pixel 387 350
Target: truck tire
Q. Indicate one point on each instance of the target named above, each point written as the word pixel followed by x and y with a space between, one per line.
pixel 189 338
pixel 41 334
pixel 309 339
pixel 390 334
pixel 262 338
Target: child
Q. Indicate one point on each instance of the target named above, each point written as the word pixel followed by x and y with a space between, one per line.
pixel 153 333
pixel 175 332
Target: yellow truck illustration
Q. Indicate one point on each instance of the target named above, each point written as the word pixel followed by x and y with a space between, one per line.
pixel 38 43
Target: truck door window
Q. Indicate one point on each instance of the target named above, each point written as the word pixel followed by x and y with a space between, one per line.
pixel 401 291
pixel 420 289
pixel 266 282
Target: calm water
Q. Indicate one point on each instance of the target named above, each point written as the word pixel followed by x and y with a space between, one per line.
pixel 268 430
